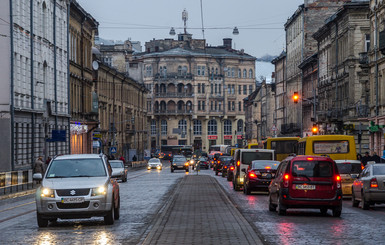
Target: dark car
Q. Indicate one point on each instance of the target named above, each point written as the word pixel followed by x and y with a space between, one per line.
pixel 259 176
pixel 179 162
pixel 221 161
pixel 203 163
pixel 306 182
pixel 230 172
pixel 226 163
pixel 369 187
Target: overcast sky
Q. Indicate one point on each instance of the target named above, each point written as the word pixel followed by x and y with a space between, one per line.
pixel 260 22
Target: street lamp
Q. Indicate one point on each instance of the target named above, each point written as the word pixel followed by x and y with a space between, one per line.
pixel 235 31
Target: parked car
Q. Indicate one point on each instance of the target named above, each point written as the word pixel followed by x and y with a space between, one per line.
pixel 259 176
pixel 154 163
pixel 77 186
pixel 369 187
pixel 118 170
pixel 179 162
pixel 306 182
pixel 349 171
pixel 203 163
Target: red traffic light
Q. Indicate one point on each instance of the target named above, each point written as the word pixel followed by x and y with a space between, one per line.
pixel 295 97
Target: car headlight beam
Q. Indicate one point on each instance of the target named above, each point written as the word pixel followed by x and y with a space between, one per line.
pixel 47 192
pixel 101 190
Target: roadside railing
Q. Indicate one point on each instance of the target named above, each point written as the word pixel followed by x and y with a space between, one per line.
pixel 15 181
pixel 138 164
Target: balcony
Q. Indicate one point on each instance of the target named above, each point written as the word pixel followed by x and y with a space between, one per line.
pixel 165 77
pixel 174 95
pixel 172 112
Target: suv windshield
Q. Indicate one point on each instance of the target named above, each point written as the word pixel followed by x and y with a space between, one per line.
pixel 349 168
pixel 68 168
pixel 312 168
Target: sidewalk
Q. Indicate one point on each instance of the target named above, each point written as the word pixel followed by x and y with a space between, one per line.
pixel 199 212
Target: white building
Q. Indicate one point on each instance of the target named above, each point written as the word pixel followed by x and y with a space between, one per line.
pixel 34 81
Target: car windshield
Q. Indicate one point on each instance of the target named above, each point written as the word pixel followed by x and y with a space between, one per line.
pixel 153 161
pixel 379 170
pixel 203 159
pixel 226 159
pixel 265 165
pixel 349 168
pixel 116 164
pixel 312 168
pixel 180 159
pixel 68 168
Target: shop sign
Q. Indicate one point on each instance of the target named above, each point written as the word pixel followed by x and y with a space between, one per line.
pixel 239 137
pixel 212 137
pixel 79 129
pixel 227 137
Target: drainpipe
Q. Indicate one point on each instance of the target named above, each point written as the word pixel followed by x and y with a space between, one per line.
pixel 376 59
pixel 55 71
pixel 33 115
pixel 12 110
pixel 68 78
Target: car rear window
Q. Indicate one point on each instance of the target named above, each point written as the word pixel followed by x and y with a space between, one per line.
pixel 116 164
pixel 312 168
pixel 248 157
pixel 265 165
pixel 379 170
pixel 70 168
pixel 349 168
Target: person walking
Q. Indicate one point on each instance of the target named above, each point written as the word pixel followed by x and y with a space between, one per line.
pixel 376 157
pixel 366 158
pixel 39 167
pixel 134 158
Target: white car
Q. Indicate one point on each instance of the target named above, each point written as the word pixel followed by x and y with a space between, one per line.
pixel 154 163
pixel 118 170
pixel 77 186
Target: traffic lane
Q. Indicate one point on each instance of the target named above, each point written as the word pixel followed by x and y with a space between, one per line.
pixel 308 226
pixel 141 198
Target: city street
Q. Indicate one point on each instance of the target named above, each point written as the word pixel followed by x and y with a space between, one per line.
pixel 147 191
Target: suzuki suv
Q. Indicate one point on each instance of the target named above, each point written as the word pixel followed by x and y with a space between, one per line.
pixel 306 182
pixel 77 186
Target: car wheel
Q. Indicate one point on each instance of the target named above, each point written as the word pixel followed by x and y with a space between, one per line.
pixel 324 211
pixel 337 211
pixel 117 210
pixel 272 207
pixel 216 172
pixel 246 190
pixel 365 204
pixel 109 218
pixel 354 201
pixel 41 222
pixel 281 208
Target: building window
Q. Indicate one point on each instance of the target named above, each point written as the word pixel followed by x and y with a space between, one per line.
pixel 212 106
pixel 239 89
pixel 216 71
pixel 220 88
pixel 199 105
pixel 182 125
pixel 240 126
pixel 251 73
pixel 244 73
pixel 163 127
pixel 212 88
pixel 148 71
pixel 233 105
pixel 216 106
pixel 216 88
pixel 239 106
pixel 203 88
pixel 201 70
pixel 244 89
pixel 228 72
pixel 184 70
pixel 250 89
pixel 220 106
pixel 239 73
pixel 229 105
pixel 212 127
pixel 199 88
pixel 203 106
pixel 197 127
pixel 153 127
pixel 367 42
pixel 229 89
pixel 227 127
pixel 179 70
pixel 233 89
pixel 233 72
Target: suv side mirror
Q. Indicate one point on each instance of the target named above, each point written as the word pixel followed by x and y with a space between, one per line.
pixel 37 176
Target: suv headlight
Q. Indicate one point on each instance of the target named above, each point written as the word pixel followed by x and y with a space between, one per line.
pixel 101 190
pixel 47 192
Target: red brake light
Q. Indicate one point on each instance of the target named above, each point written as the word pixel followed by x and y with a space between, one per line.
pixel 268 167
pixel 286 177
pixel 310 158
pixel 232 168
pixel 238 163
pixel 338 178
pixel 373 183
pixel 252 175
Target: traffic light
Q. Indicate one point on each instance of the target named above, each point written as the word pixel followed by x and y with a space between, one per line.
pixel 314 129
pixel 295 97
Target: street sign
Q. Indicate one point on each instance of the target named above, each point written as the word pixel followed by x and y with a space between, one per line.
pixel 113 150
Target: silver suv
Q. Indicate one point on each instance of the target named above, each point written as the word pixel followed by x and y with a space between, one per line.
pixel 77 186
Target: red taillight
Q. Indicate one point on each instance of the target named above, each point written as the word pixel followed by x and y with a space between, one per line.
pixel 219 161
pixel 286 178
pixel 232 168
pixel 252 175
pixel 310 159
pixel 225 166
pixel 238 163
pixel 373 183
pixel 362 166
pixel 268 167
pixel 338 178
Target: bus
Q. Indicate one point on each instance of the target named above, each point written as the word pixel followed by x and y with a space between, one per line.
pixel 282 146
pixel 251 146
pixel 221 148
pixel 167 151
pixel 337 147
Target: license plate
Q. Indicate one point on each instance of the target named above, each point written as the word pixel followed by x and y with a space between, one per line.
pixel 72 199
pixel 305 187
pixel 268 175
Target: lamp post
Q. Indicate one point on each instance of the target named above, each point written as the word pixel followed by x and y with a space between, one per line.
pixel 134 131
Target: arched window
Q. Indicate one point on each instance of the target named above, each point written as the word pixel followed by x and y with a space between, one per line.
pixel 179 70
pixel 240 126
pixel 197 127
pixel 239 73
pixel 184 70
pixel 212 127
pixel 250 73
pixel 216 71
pixel 227 127
pixel 244 73
pixel 182 125
pixel 163 127
pixel 45 21
pixel 153 127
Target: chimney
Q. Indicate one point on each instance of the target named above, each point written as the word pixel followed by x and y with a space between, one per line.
pixel 227 43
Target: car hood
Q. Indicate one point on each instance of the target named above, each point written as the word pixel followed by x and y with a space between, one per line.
pixel 75 183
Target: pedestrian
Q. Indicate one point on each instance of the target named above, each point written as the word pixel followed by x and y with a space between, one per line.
pixel 134 158
pixel 38 168
pixel 47 162
pixel 376 158
pixel 366 158
pixel 122 159
pixel 359 157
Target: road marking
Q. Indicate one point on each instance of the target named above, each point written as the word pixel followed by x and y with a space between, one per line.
pixel 17 215
pixel 21 205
